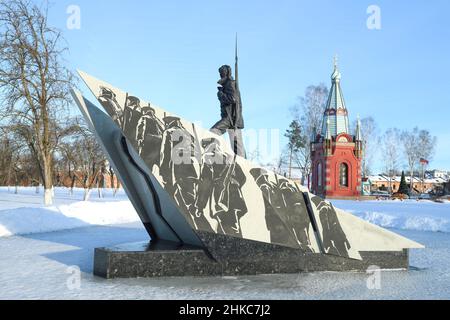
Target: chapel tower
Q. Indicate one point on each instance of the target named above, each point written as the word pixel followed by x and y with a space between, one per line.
pixel 335 153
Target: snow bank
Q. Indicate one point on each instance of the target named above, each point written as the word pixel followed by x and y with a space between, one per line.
pixel 408 215
pixel 24 214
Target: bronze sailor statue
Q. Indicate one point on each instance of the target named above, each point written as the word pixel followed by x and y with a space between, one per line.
pixel 230 108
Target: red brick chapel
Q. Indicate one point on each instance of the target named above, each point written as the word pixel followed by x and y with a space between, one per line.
pixel 335 153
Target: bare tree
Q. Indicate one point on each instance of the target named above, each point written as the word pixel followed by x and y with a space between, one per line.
pixel 427 144
pixel 115 183
pixel 34 84
pixel 417 144
pixel 309 114
pixel 69 163
pixel 17 165
pixel 101 179
pixel 90 160
pixel 410 148
pixel 7 154
pixel 11 153
pixel 111 175
pixel 279 164
pixel 390 142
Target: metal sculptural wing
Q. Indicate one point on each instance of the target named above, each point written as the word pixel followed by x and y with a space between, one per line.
pixel 218 192
pixel 156 211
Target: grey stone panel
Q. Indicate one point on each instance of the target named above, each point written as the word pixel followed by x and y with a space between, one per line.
pixel 145 261
pixel 168 259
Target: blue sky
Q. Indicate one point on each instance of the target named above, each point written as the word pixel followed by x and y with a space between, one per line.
pixel 168 52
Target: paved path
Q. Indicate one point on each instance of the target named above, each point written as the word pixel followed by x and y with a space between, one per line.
pixel 39 267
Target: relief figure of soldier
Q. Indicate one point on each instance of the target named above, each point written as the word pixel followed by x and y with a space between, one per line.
pixel 334 239
pixel 131 116
pixel 108 100
pixel 149 136
pixel 179 169
pixel 220 186
pixel 275 215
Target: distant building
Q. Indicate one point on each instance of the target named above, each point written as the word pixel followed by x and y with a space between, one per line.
pixel 438 174
pixel 384 183
pixel 336 153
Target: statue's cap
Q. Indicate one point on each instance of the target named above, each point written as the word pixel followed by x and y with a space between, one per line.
pixel 133 100
pixel 170 120
pixel 147 108
pixel 258 173
pixel 106 91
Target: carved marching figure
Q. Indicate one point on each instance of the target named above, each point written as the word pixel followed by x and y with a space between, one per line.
pixel 179 169
pixel 220 185
pixel 131 115
pixel 107 99
pixel 149 136
pixel 334 239
pixel 275 215
pixel 296 213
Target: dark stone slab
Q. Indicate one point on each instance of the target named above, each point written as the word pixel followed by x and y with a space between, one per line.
pixel 152 260
pixel 228 256
pixel 242 256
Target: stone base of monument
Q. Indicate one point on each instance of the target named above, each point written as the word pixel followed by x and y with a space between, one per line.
pixel 228 256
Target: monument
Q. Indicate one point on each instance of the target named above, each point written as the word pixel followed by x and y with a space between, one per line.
pixel 230 110
pixel 229 96
pixel 209 211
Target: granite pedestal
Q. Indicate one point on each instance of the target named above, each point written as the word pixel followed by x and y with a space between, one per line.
pixel 228 256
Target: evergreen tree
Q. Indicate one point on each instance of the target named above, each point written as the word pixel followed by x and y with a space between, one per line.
pixel 296 141
pixel 403 188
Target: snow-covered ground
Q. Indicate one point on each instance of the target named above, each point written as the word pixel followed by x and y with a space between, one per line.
pixel 36 263
pixel 422 215
pixel 45 266
pixel 24 213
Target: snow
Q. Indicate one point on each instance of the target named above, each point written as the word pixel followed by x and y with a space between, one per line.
pixel 38 264
pixel 41 266
pixel 407 215
pixel 24 213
